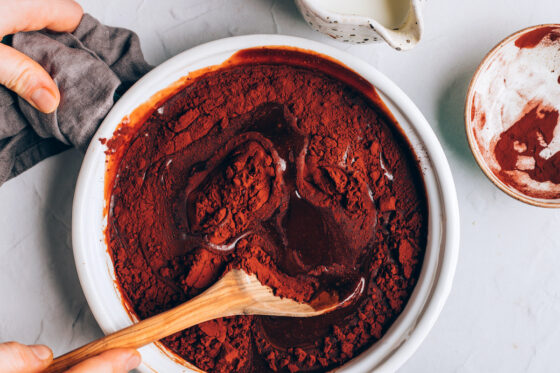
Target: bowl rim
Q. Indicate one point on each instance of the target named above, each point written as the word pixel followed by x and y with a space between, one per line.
pixel 482 164
pixel 436 284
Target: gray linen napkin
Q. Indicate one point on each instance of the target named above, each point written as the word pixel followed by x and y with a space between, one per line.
pixel 92 67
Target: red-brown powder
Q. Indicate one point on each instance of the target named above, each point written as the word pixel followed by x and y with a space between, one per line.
pixel 283 171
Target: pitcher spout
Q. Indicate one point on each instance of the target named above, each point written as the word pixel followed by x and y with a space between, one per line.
pixel 408 34
pixel 365 24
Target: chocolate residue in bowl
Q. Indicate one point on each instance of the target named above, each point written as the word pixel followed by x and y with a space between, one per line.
pixel 525 146
pixel 514 115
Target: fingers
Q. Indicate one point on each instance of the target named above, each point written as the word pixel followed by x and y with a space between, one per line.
pixel 30 15
pixel 28 79
pixel 18 72
pixel 18 358
pixel 113 361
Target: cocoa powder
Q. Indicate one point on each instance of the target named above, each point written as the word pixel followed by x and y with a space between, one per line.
pixel 286 170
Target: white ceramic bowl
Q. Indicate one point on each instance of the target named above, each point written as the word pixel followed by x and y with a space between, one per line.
pixel 95 267
pixel 508 81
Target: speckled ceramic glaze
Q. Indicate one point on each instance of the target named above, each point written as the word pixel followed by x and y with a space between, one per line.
pixel 360 29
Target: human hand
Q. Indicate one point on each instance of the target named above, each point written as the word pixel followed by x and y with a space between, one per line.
pixel 18 358
pixel 17 71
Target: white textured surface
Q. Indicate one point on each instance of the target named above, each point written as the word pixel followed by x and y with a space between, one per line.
pixel 503 312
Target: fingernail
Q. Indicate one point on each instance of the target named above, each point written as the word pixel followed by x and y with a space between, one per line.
pixel 44 100
pixel 42 352
pixel 133 361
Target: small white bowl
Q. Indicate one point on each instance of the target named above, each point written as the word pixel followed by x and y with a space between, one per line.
pixel 363 29
pixel 95 267
pixel 508 82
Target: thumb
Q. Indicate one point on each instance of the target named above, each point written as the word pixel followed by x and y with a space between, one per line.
pixel 18 358
pixel 28 79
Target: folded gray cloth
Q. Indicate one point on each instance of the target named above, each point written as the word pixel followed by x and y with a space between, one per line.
pixel 92 67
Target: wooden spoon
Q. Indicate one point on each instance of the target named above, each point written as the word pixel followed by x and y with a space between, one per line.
pixel 237 293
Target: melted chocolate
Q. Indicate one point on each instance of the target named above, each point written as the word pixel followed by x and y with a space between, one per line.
pixel 528 138
pixel 308 237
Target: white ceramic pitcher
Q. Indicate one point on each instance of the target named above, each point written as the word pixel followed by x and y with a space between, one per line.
pixel 361 29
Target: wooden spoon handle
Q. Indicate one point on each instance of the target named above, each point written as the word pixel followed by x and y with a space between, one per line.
pixel 202 308
pixel 236 293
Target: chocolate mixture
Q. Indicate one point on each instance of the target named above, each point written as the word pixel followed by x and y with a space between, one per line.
pixel 282 170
